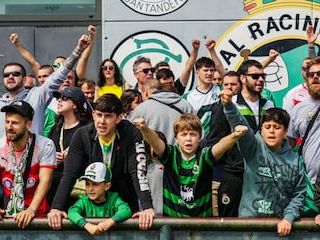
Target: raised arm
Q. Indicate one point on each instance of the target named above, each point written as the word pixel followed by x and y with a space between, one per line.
pixel 150 136
pixel 210 44
pixel 227 142
pixel 25 54
pixel 311 39
pixel 273 54
pixel 186 71
pixel 83 61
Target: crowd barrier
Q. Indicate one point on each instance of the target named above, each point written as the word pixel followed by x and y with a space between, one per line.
pixel 167 229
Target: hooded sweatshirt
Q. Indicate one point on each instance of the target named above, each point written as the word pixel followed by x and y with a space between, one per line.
pixel 160 112
pixel 274 181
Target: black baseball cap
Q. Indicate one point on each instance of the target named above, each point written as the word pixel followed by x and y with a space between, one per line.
pixel 21 107
pixel 73 93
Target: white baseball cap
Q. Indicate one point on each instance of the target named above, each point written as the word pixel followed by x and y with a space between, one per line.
pixel 97 172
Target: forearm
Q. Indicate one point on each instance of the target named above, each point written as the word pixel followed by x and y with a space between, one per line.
pixel 83 62
pixel 186 71
pixel 123 212
pixel 217 62
pixel 312 51
pixel 74 215
pixel 224 145
pixel 73 58
pixel 151 137
pixel 28 57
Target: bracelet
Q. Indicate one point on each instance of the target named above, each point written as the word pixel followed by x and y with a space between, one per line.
pixel 32 210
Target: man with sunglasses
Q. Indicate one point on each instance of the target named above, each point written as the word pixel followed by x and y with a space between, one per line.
pixel 302 115
pixel 143 71
pixel 38 97
pixel 251 105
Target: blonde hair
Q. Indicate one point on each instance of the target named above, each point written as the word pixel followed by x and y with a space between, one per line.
pixel 187 121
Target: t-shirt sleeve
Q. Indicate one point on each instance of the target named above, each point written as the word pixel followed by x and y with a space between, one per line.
pixel 48 154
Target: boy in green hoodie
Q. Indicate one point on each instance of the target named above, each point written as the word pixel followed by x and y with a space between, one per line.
pixel 98 202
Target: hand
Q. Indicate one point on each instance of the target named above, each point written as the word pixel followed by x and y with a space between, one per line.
pixel 311 36
pixel 240 131
pixel 2 212
pixel 317 219
pixel 196 44
pixel 106 225
pixel 284 228
pixel 14 38
pixel 59 157
pixel 210 44
pixel 24 218
pixel 139 123
pixel 92 30
pixel 84 41
pixel 226 96
pixel 91 228
pixel 55 218
pixel 273 54
pixel 145 218
pixel 65 153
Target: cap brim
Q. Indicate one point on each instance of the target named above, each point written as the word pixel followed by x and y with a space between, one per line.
pixel 56 95
pixel 91 179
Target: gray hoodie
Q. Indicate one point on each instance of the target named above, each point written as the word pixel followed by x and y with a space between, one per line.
pixel 159 112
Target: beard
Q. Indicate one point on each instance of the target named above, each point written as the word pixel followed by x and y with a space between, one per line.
pixel 252 91
pixel 314 91
pixel 13 136
pixel 15 88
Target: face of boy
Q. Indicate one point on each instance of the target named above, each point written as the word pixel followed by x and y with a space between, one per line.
pixel 188 141
pixel 96 191
pixel 105 123
pixel 273 134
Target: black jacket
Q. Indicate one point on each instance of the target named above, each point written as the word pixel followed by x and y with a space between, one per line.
pixel 128 165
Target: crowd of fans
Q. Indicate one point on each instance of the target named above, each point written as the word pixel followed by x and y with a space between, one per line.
pixel 72 147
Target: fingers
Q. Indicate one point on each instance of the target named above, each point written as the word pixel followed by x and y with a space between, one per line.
pixel 146 219
pixel 195 43
pixel 139 122
pixel 24 218
pixel 14 38
pixel 317 219
pixel 210 44
pixel 55 219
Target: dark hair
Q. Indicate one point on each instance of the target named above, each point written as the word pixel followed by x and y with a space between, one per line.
pixel 127 98
pixel 278 115
pixel 23 70
pixel 117 74
pixel 243 69
pixel 47 66
pixel 109 103
pixel 204 62
pixel 161 64
pixel 232 74
pixel 165 74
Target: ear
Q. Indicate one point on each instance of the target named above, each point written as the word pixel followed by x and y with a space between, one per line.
pixel 107 186
pixel 29 124
pixel 243 79
pixel 119 118
pixel 285 134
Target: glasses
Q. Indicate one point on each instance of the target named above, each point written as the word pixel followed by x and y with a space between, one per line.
pixel 256 76
pixel 312 74
pixel 105 68
pixel 15 74
pixel 146 70
pixel 64 98
pixel 56 65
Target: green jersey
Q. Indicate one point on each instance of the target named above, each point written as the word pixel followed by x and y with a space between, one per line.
pixel 113 208
pixel 187 184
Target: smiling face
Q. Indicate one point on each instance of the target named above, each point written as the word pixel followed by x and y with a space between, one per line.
pixel 13 78
pixel 96 191
pixel 273 134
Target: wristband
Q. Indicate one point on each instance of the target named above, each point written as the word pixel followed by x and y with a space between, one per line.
pixel 32 210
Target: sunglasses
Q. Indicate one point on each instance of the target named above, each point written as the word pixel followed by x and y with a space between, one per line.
pixel 313 74
pixel 64 98
pixel 105 68
pixel 15 74
pixel 56 65
pixel 256 76
pixel 147 70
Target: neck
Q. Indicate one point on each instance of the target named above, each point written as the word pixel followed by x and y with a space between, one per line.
pixel 22 142
pixel 70 121
pixel 109 81
pixel 204 87
pixel 249 96
pixel 15 93
pixel 108 138
pixel 100 199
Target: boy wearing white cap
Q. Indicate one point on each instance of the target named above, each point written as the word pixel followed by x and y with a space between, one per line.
pixel 98 202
